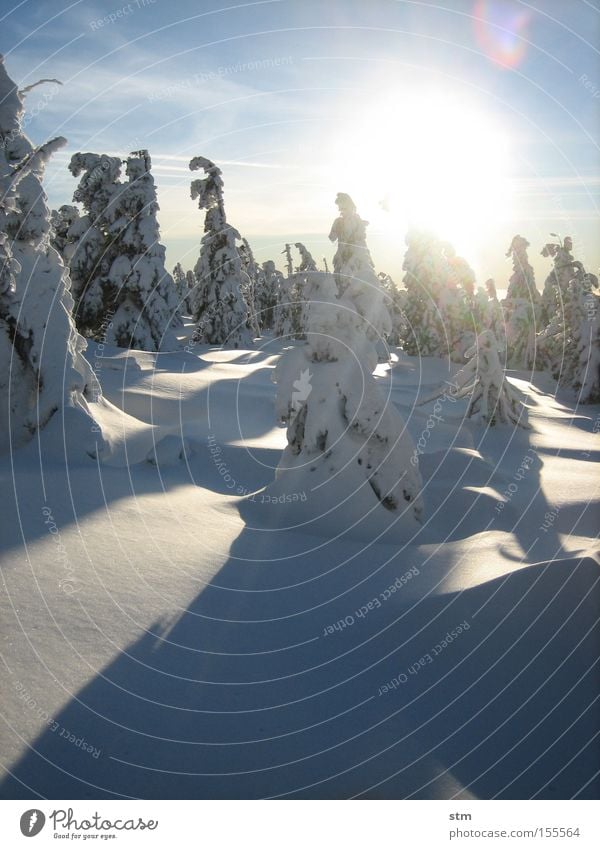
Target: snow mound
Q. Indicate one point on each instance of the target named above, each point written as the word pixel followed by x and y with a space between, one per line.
pixel 71 434
pixel 169 451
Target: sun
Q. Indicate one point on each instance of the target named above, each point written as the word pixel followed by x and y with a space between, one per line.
pixel 430 159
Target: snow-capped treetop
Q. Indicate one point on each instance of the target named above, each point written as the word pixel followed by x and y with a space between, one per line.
pixel 209 190
pixel 98 188
pixel 460 272
pixel 490 288
pixel 352 257
pixel 561 251
pixel 288 259
pixel 62 220
pixel 557 282
pixel 307 262
pixel 354 271
pixel 522 281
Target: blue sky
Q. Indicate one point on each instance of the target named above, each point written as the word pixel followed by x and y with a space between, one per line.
pixel 478 119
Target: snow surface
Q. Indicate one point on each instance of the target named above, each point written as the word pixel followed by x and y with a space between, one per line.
pixel 163 637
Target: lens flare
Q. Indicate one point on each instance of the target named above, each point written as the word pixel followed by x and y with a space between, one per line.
pixel 501 30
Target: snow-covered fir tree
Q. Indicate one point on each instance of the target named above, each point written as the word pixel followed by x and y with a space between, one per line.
pixel 347 443
pixel 394 301
pixel 349 232
pixel 43 371
pixel 521 308
pixel 457 304
pixel 492 399
pixel 494 315
pixel 251 284
pixel 61 221
pixel 291 310
pixel 587 339
pixel 284 325
pixel 222 314
pixel 425 277
pixel 129 284
pixel 570 342
pixel 557 282
pixel 307 263
pixel 89 236
pixel 181 286
pixel 267 295
pixel 300 301
pixel 289 262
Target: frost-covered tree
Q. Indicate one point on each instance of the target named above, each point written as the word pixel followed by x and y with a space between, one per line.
pixel 223 318
pixel 463 307
pixel 492 399
pixel 352 257
pixel 347 443
pixel 125 295
pixel 307 263
pixel 291 309
pixel 180 283
pixel 494 315
pixel 43 371
pixel 184 283
pixel 289 262
pixel 425 277
pixel 521 308
pixel 251 283
pixel 284 326
pixel 557 282
pixel 89 237
pixel 146 302
pixel 521 285
pixel 587 340
pixel 61 220
pixel 571 341
pixel 394 301
pixel 272 281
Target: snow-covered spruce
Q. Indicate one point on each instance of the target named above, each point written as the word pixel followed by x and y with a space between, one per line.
pixel 145 301
pixel 494 315
pixel 124 295
pixel 250 285
pixel 587 339
pixel 395 303
pixel 557 282
pixel 521 309
pixel 289 263
pixel 571 342
pixel 61 220
pixel 426 273
pixel 221 312
pixel 354 272
pixel 268 293
pixel 180 281
pixel 348 448
pixel 307 262
pixel 88 237
pixel 44 375
pixel 462 308
pixel 291 310
pixel 492 399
